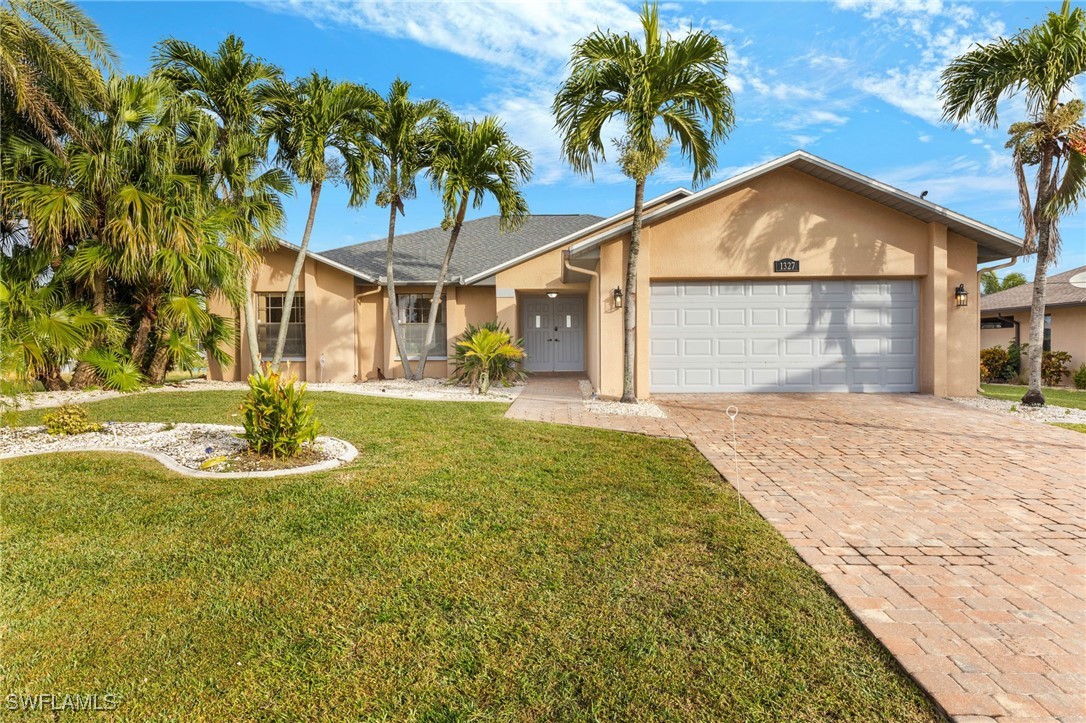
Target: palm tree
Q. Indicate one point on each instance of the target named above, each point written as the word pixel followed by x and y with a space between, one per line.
pixel 400 144
pixel 229 86
pixel 307 119
pixel 51 63
pixel 468 162
pixel 663 90
pixel 1043 63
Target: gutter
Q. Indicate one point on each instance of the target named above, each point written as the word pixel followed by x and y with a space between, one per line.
pixel 599 312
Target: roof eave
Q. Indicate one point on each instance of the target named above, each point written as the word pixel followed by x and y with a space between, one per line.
pixel 334 264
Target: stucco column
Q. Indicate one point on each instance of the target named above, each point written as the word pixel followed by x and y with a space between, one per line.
pixel 456 317
pixel 505 309
pixel 612 276
pixel 644 276
pixel 312 322
pixel 933 315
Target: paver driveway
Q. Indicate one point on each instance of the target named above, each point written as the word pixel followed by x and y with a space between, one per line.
pixel 957 536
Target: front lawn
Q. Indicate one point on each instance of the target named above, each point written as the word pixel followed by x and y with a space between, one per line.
pixel 1071 425
pixel 464 567
pixel 1056 396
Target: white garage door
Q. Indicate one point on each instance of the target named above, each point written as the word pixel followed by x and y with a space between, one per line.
pixel 795 336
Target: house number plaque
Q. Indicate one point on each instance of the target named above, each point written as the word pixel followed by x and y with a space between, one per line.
pixel 783 266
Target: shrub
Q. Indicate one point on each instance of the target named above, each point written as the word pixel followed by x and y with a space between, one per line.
pixel 486 355
pixel 1054 367
pixel 69 419
pixel 1014 361
pixel 994 362
pixel 1079 377
pixel 276 418
pixel 502 368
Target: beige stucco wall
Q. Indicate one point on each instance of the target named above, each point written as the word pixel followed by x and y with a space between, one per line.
pixel 1068 333
pixel 330 319
pixel 833 233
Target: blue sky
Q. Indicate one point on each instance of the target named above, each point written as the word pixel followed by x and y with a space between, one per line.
pixel 853 81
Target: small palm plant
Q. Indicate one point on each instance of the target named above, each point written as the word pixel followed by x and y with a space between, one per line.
pixel 487 355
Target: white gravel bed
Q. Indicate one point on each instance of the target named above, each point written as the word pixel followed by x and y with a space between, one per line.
pixel 1044 415
pixel 427 389
pixel 593 405
pixel 188 446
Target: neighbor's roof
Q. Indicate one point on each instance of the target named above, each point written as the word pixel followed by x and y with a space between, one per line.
pixel 992 243
pixel 1059 292
pixel 481 247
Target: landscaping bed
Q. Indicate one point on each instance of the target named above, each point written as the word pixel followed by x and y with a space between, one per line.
pixel 206 449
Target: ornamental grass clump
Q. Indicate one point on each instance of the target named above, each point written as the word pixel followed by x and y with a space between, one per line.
pixel 276 418
pixel 69 419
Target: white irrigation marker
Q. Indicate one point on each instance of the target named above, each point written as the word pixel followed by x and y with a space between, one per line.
pixel 733 412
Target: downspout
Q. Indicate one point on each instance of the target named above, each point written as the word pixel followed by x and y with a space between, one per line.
pixel 599 312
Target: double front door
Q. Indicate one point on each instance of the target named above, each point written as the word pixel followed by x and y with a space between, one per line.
pixel 554 334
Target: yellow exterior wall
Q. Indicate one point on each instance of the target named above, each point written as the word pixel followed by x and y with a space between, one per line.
pixel 1068 333
pixel 833 233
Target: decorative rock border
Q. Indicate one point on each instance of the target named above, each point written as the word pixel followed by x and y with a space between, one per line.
pixel 347 453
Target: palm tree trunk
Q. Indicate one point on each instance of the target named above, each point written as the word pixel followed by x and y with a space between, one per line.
pixel 629 310
pixel 139 344
pixel 156 372
pixel 52 381
pixel 435 302
pixel 250 325
pixel 1045 189
pixel 296 272
pixel 393 304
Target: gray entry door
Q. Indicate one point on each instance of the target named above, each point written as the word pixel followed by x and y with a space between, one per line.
pixel 554 334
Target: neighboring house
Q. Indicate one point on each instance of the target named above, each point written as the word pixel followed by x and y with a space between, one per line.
pixel 798 275
pixel 1004 316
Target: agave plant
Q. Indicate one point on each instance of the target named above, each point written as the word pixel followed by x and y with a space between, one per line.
pixel 486 354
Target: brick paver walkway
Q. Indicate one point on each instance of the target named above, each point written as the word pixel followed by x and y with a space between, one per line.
pixel 557 398
pixel 957 536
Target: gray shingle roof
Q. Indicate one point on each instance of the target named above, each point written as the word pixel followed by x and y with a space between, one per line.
pixel 1058 292
pixel 480 247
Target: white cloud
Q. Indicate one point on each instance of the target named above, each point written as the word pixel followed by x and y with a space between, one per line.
pixel 808 117
pixel 784 91
pixel 924 138
pixel 956 181
pixel 802 141
pixel 523 35
pixel 940 31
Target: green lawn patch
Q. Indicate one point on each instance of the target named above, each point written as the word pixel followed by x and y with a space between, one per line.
pixel 464 567
pixel 1056 396
pixel 1071 425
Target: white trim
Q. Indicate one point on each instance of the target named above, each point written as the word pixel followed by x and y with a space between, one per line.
pixel 570 237
pixel 788 160
pixel 334 264
pixel 416 358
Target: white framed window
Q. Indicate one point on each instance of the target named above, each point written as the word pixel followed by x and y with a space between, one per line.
pixel 269 313
pixel 414 314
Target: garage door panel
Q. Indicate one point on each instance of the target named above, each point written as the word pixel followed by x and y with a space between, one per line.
pixel 832 335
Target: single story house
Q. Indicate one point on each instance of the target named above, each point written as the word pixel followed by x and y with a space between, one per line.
pixel 798 275
pixel 1004 316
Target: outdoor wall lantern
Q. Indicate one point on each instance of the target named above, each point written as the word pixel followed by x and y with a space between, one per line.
pixel 961 296
pixel 552 294
pixel 616 295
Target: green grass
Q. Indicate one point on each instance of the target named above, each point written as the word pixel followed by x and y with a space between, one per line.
pixel 464 567
pixel 1070 425
pixel 1056 396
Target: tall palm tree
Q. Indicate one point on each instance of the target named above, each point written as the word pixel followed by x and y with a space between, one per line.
pixel 229 85
pixel 399 137
pixel 52 59
pixel 1041 62
pixel 662 90
pixel 470 161
pixel 309 119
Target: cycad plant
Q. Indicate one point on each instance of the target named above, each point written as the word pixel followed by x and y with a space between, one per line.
pixel 487 354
